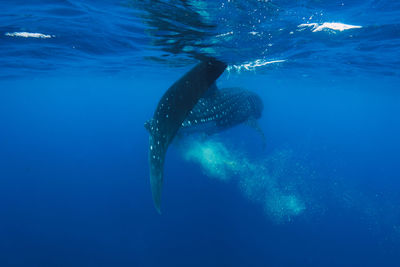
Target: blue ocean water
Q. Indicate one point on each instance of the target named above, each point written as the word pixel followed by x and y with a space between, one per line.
pixel 79 79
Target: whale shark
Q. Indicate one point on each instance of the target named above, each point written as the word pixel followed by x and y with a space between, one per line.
pixel 171 111
pixel 192 105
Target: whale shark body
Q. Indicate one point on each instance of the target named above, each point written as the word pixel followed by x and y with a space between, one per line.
pixel 222 109
pixel 194 104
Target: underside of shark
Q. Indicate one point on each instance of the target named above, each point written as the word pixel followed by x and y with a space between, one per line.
pixel 194 104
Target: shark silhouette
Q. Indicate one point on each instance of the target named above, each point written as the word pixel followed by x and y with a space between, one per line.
pixel 195 104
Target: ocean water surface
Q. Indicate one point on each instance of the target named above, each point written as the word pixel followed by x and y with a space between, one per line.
pixel 78 80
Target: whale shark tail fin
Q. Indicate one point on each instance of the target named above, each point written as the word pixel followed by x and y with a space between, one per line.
pixel 156 173
pixel 171 111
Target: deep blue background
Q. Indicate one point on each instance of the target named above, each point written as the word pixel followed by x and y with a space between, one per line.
pixel 75 190
pixel 74 181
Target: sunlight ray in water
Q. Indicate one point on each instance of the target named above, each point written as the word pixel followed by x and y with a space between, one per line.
pixel 258 180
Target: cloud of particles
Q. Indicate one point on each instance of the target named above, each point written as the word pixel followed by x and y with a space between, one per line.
pixel 287 189
pixel 274 182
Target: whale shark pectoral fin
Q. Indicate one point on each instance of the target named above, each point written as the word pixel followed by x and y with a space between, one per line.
pixel 254 124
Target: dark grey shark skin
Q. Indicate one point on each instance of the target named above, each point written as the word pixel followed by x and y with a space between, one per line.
pixel 171 111
pixel 223 109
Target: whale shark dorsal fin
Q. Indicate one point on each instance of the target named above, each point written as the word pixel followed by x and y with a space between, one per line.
pixel 171 111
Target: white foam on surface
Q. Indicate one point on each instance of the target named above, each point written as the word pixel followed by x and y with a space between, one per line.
pixel 253 64
pixel 29 35
pixel 336 26
pixel 224 34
